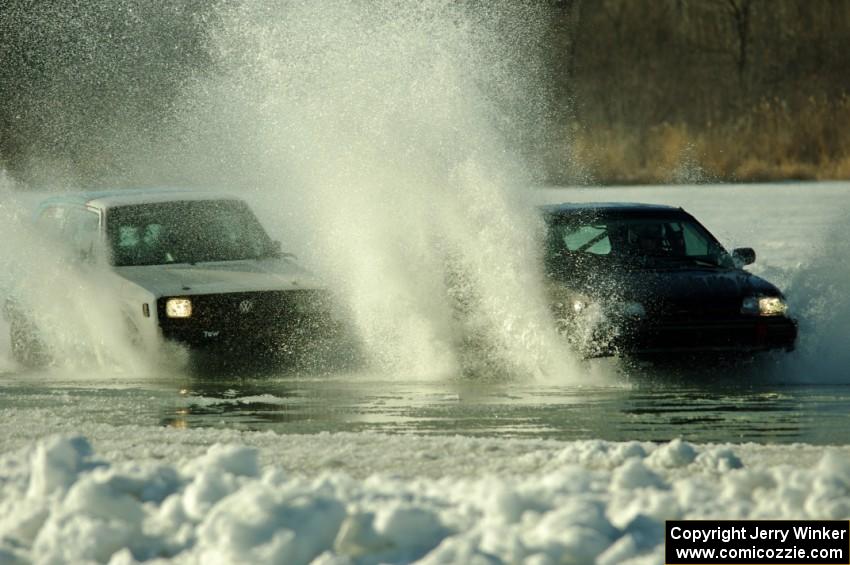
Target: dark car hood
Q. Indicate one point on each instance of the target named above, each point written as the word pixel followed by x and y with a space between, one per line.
pixel 670 287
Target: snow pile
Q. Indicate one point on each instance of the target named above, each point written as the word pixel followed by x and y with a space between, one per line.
pixel 601 502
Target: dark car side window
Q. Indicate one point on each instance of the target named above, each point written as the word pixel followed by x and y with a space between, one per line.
pixel 696 245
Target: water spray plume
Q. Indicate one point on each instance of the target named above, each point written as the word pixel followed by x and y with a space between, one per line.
pixel 386 143
pixel 818 291
pixel 75 309
pixel 392 129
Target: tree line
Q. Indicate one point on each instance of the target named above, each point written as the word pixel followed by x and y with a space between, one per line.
pixel 642 90
pixel 714 89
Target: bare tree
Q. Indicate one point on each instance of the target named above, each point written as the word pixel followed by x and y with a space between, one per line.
pixel 740 10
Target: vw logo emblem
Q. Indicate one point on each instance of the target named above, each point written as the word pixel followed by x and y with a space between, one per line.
pixel 246 306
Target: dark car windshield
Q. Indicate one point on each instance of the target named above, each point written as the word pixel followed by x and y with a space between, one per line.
pixel 633 241
pixel 185 232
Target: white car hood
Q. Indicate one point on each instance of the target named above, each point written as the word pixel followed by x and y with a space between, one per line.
pixel 220 277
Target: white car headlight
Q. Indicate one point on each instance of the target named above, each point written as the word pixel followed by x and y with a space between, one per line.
pixel 178 308
pixel 764 306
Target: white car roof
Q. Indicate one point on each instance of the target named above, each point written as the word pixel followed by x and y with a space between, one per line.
pixel 128 197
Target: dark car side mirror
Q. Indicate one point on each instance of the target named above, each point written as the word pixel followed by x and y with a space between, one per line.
pixel 744 256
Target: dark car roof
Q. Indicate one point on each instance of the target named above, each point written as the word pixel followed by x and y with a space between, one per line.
pixel 609 209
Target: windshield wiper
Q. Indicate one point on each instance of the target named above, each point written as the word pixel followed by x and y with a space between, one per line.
pixel 680 261
pixel 704 263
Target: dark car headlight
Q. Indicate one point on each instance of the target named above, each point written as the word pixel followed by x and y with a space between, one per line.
pixel 764 306
pixel 633 309
pixel 579 304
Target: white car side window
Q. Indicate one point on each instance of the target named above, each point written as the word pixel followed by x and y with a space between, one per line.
pixel 53 220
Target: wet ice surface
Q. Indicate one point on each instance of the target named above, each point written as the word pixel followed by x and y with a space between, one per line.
pixel 573 469
pixel 645 409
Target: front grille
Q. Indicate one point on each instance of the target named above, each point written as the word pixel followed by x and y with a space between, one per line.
pixel 246 315
pixel 697 311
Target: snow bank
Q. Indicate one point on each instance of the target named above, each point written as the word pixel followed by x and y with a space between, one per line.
pixel 591 502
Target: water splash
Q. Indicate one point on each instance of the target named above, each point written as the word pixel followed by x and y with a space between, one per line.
pixel 818 291
pixel 390 132
pixel 75 309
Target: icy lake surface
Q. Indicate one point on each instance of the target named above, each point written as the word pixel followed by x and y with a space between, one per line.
pixel 800 233
pixel 658 410
pixel 129 468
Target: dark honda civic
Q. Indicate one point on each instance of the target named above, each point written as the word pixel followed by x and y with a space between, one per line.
pixel 640 279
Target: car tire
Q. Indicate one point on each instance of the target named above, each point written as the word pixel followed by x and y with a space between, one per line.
pixel 27 349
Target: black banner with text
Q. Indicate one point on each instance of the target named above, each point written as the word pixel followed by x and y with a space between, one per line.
pixel 763 542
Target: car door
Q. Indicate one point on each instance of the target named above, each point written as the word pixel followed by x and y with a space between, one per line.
pixel 75 229
pixel 83 234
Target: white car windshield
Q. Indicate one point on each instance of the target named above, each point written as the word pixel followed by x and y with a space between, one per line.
pixel 185 232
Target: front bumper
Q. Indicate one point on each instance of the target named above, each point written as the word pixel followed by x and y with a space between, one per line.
pixel 745 335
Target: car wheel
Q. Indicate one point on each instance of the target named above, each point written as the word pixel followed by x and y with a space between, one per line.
pixel 27 349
